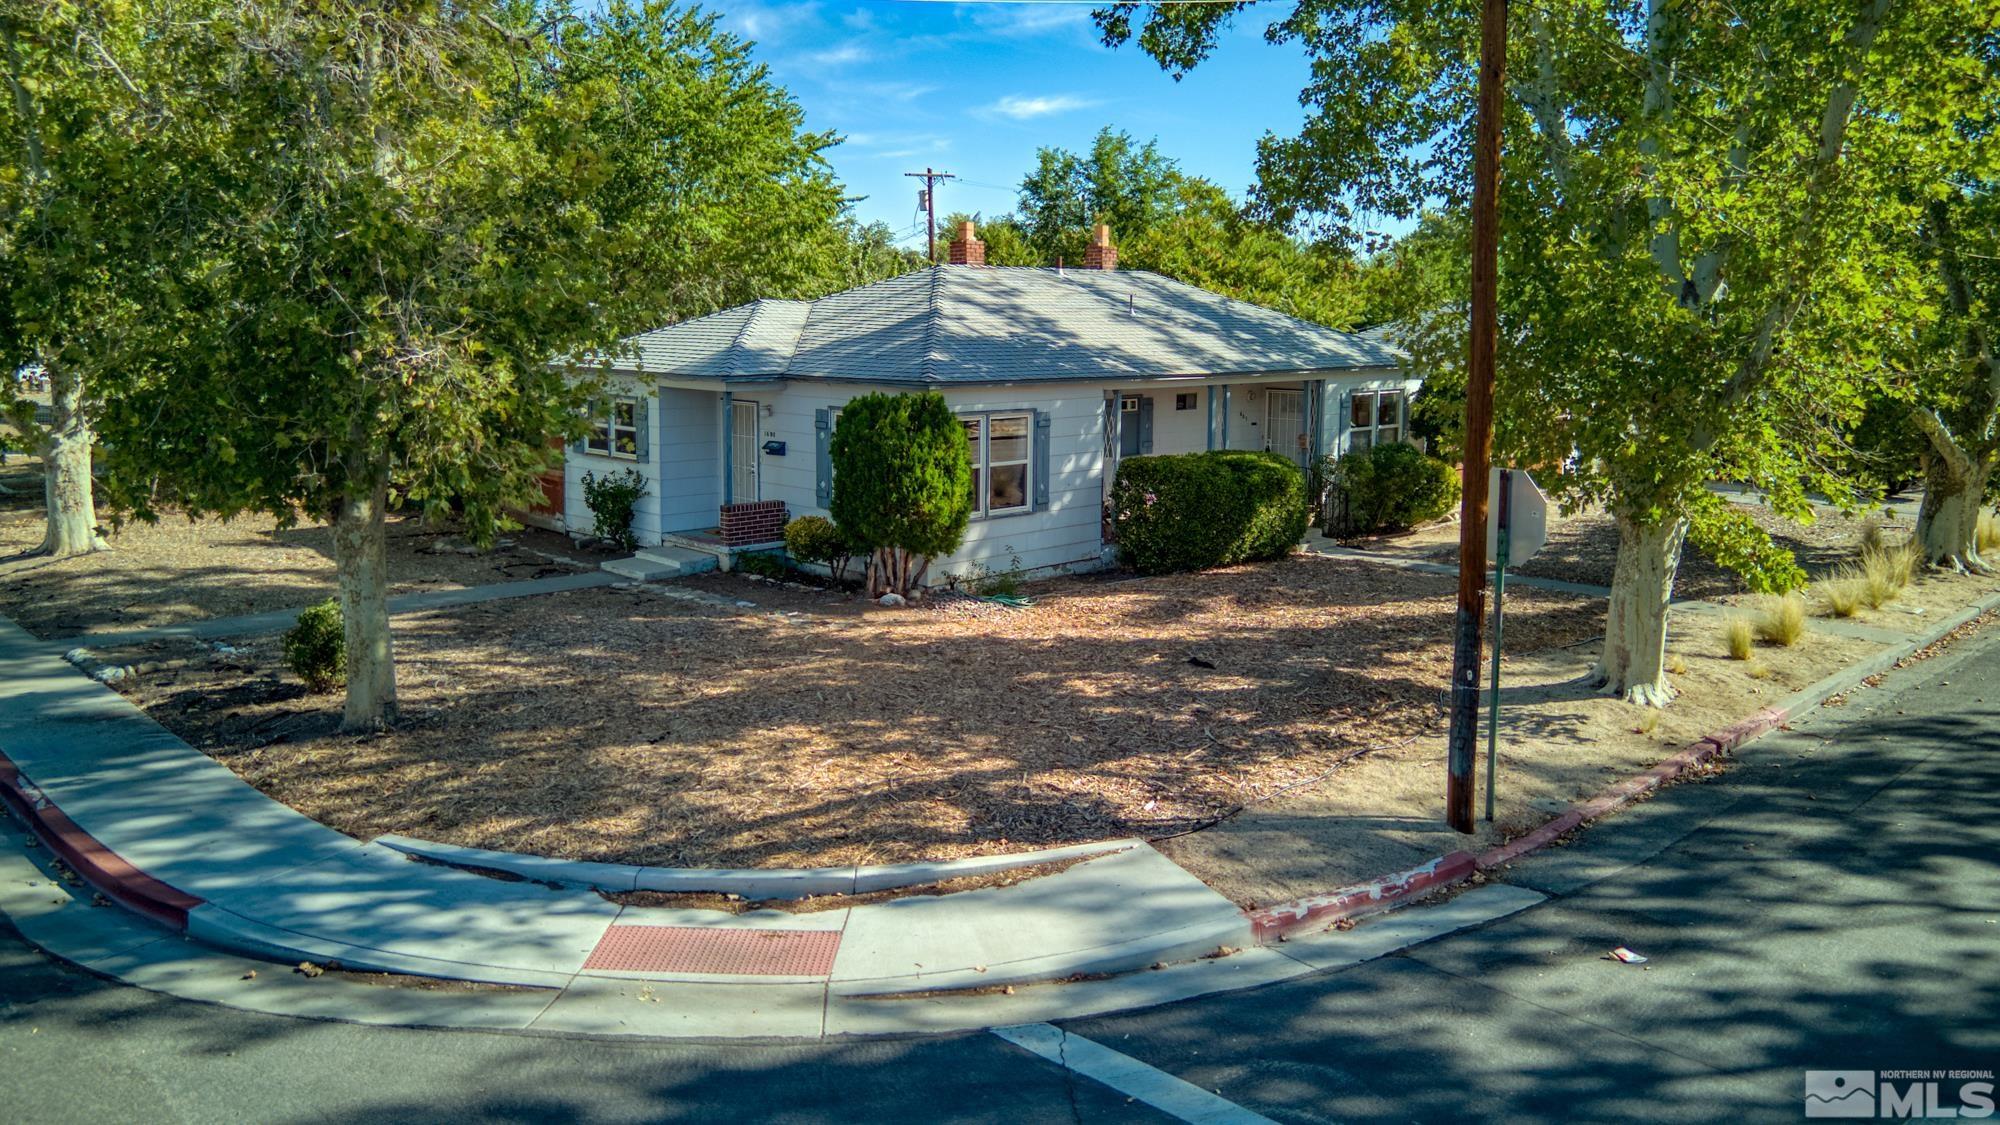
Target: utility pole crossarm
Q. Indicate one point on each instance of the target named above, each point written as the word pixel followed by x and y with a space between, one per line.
pixel 930 177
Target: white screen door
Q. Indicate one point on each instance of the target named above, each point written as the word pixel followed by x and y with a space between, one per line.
pixel 1285 424
pixel 744 451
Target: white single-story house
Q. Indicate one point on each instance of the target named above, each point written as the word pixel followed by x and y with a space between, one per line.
pixel 1057 373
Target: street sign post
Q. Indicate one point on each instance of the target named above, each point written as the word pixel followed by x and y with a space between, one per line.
pixel 1517 526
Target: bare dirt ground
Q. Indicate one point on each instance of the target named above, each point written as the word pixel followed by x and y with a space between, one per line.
pixel 619 725
pixel 181 570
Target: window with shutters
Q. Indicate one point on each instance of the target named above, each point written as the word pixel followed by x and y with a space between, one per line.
pixel 1002 450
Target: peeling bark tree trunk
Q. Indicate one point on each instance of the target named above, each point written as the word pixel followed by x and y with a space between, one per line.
pixel 66 483
pixel 1948 522
pixel 1634 664
pixel 360 555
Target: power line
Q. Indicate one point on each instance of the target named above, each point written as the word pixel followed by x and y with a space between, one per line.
pixel 927 200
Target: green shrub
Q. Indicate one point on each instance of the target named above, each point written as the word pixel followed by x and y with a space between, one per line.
pixel 1191 511
pixel 902 484
pixel 316 648
pixel 1393 486
pixel 611 499
pixel 818 541
pixel 767 564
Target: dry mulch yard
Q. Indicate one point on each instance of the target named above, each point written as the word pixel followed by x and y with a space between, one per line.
pixel 1584 548
pixel 616 724
pixel 181 570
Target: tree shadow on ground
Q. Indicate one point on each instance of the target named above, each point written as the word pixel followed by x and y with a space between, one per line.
pixel 615 725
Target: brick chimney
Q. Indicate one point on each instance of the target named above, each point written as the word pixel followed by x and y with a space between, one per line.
pixel 966 249
pixel 1100 254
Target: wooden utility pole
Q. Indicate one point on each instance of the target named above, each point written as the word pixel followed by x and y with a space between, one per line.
pixel 1464 736
pixel 929 203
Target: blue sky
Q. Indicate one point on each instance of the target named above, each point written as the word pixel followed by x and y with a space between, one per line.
pixel 976 88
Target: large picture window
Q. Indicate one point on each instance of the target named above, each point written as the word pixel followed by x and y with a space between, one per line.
pixel 1001 446
pixel 1373 418
pixel 615 430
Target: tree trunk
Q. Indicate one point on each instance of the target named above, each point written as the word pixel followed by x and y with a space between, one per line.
pixel 1948 521
pixel 1634 664
pixel 360 557
pixel 66 483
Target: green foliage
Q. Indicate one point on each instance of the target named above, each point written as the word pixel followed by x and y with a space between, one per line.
pixel 903 474
pixel 1725 532
pixel 611 499
pixel 316 647
pixel 1393 486
pixel 817 541
pixel 765 564
pixel 1699 257
pixel 1169 222
pixel 1192 511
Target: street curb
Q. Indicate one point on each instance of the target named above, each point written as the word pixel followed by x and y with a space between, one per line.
pixel 755 883
pixel 98 865
pixel 1319 911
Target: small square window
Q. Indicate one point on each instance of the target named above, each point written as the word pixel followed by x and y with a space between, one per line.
pixel 1184 401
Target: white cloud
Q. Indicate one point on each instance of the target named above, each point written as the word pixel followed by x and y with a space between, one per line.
pixel 894 91
pixel 839 56
pixel 1021 107
pixel 1027 19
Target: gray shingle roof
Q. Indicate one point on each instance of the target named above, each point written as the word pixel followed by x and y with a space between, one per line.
pixel 994 324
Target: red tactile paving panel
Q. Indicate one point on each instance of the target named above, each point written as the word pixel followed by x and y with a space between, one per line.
pixel 713 949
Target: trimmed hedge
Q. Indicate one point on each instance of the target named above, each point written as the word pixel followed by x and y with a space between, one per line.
pixel 1393 486
pixel 1191 511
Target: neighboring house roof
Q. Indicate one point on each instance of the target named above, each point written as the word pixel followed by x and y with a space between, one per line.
pixel 1000 324
pixel 1386 335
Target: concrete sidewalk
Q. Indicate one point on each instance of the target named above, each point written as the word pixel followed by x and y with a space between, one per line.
pixel 278 620
pixel 158 825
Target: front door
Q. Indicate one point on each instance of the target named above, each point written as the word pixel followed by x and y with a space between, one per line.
pixel 1285 424
pixel 1129 433
pixel 745 452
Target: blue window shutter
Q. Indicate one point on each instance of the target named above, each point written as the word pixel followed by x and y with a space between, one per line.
pixel 1041 469
pixel 823 457
pixel 643 423
pixel 1146 424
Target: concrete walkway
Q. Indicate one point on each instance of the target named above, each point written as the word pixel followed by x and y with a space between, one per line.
pixel 196 847
pixel 278 620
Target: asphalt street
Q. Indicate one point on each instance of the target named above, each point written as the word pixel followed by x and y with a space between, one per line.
pixel 1832 901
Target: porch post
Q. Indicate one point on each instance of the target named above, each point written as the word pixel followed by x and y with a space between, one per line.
pixel 1316 420
pixel 1225 415
pixel 728 446
pixel 1210 395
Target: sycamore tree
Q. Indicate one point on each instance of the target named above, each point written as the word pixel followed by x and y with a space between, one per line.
pixel 1694 277
pixel 80 189
pixel 413 209
pixel 1953 387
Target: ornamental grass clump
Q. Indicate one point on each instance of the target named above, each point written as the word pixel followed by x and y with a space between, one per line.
pixel 1844 594
pixel 1739 638
pixel 1780 620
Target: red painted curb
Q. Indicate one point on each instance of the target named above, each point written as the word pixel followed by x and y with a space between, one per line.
pixel 1362 898
pixel 1393 890
pixel 101 867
